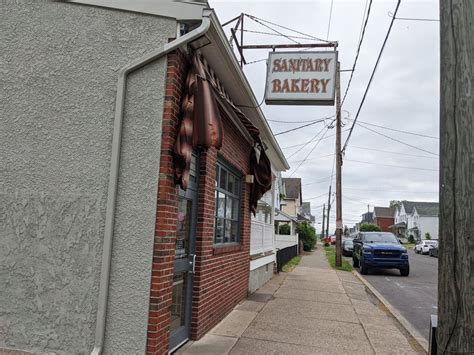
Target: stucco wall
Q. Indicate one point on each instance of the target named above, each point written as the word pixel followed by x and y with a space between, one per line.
pixel 429 225
pixel 58 75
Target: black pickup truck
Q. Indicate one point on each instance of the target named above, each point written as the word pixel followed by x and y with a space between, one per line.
pixel 379 250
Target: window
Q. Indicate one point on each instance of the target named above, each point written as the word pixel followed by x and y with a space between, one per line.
pixel 227 215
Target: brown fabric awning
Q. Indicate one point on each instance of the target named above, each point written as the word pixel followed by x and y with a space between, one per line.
pixel 201 127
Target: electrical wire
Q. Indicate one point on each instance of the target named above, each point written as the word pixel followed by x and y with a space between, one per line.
pixel 391 152
pixel 307 143
pixel 300 127
pixel 314 147
pixel 317 182
pixel 412 18
pixel 272 29
pixel 395 140
pixel 260 104
pixel 310 141
pixel 389 165
pixel 396 130
pixel 313 120
pixel 361 39
pixel 287 28
pixel 371 77
pixel 315 158
pixel 274 34
pixel 329 22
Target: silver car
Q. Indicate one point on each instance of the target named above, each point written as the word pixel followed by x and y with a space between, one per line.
pixel 347 247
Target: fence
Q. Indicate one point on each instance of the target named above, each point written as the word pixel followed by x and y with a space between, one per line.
pixel 286 254
pixel 261 238
pixel 284 241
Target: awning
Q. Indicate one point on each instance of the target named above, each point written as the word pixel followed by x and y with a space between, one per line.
pixel 201 127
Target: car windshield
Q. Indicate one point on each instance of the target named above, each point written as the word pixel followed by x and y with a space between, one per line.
pixel 348 242
pixel 431 242
pixel 380 238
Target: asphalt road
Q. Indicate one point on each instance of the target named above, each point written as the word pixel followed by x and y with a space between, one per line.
pixel 415 296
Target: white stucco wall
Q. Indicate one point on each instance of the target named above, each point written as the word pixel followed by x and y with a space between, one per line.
pixel 428 225
pixel 58 66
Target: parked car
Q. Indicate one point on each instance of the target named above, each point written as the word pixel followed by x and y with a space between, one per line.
pixel 424 246
pixel 333 240
pixel 347 247
pixel 379 250
pixel 434 251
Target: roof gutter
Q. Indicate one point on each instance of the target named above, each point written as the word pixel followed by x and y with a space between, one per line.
pixel 115 164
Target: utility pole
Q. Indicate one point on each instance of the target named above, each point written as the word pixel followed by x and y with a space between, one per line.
pixel 324 217
pixel 329 212
pixel 339 224
pixel 455 330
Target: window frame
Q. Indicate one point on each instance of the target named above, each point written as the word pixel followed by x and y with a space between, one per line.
pixel 223 164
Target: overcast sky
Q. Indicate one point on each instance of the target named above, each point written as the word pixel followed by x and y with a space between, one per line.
pixel 404 95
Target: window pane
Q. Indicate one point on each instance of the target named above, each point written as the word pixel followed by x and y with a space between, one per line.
pixel 233 232
pixel 229 204
pixel 183 227
pixel 231 184
pixel 235 209
pixel 219 231
pixel 178 300
pixel 220 205
pixel 217 175
pixel 223 179
pixel 227 231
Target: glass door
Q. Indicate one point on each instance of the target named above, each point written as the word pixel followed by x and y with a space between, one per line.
pixel 184 262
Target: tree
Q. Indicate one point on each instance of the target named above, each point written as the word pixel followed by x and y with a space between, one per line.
pixel 369 227
pixel 307 235
pixel 284 229
pixel 427 236
pixel 395 203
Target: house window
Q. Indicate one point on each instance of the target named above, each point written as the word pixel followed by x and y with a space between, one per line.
pixel 227 195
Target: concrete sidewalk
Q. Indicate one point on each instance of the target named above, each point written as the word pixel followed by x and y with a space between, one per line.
pixel 311 310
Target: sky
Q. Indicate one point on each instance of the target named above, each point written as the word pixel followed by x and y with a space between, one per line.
pixel 404 95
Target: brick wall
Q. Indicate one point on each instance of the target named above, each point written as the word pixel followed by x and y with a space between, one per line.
pixel 384 223
pixel 167 208
pixel 222 274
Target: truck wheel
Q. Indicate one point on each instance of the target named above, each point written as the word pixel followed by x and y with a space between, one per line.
pixel 363 268
pixel 405 272
pixel 355 261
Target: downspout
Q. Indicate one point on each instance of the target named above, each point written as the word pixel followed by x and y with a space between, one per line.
pixel 115 164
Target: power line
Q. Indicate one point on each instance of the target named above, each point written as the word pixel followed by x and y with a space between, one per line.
pixel 287 28
pixel 310 141
pixel 320 157
pixel 274 34
pixel 271 29
pixel 313 120
pixel 307 155
pixel 329 22
pixel 396 130
pixel 361 39
pixel 392 166
pixel 371 77
pixel 315 197
pixel 394 191
pixel 299 127
pixel 317 182
pixel 412 18
pixel 394 139
pixel 391 152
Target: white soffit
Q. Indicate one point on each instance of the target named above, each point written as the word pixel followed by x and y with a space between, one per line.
pixel 179 10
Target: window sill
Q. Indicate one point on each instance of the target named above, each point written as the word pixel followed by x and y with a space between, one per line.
pixel 223 249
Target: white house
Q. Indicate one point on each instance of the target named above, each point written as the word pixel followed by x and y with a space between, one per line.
pixel 413 218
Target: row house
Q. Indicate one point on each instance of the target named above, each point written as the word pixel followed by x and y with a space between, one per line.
pixel 134 154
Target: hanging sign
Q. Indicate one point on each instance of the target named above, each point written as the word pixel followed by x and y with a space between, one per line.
pixel 301 78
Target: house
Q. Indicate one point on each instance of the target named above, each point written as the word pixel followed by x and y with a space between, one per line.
pixel 384 217
pixel 367 217
pixel 126 184
pixel 415 219
pixel 291 196
pixel 306 213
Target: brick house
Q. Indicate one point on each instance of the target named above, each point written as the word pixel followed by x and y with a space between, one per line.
pixel 131 198
pixel 384 217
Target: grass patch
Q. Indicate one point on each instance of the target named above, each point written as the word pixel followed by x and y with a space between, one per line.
pixel 290 265
pixel 331 255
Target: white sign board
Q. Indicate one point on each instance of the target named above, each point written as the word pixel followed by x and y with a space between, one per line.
pixel 301 78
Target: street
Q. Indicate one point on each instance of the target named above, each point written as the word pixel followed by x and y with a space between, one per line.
pixel 414 296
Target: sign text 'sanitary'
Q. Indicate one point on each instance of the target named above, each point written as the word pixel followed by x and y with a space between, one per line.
pixel 301 78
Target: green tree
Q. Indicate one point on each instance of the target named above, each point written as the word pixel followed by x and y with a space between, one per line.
pixel 395 203
pixel 346 231
pixel 427 236
pixel 369 227
pixel 307 235
pixel 284 229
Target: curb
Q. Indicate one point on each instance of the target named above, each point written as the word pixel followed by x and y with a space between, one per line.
pixel 422 342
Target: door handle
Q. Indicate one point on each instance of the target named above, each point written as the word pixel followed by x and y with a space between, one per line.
pixel 193 263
